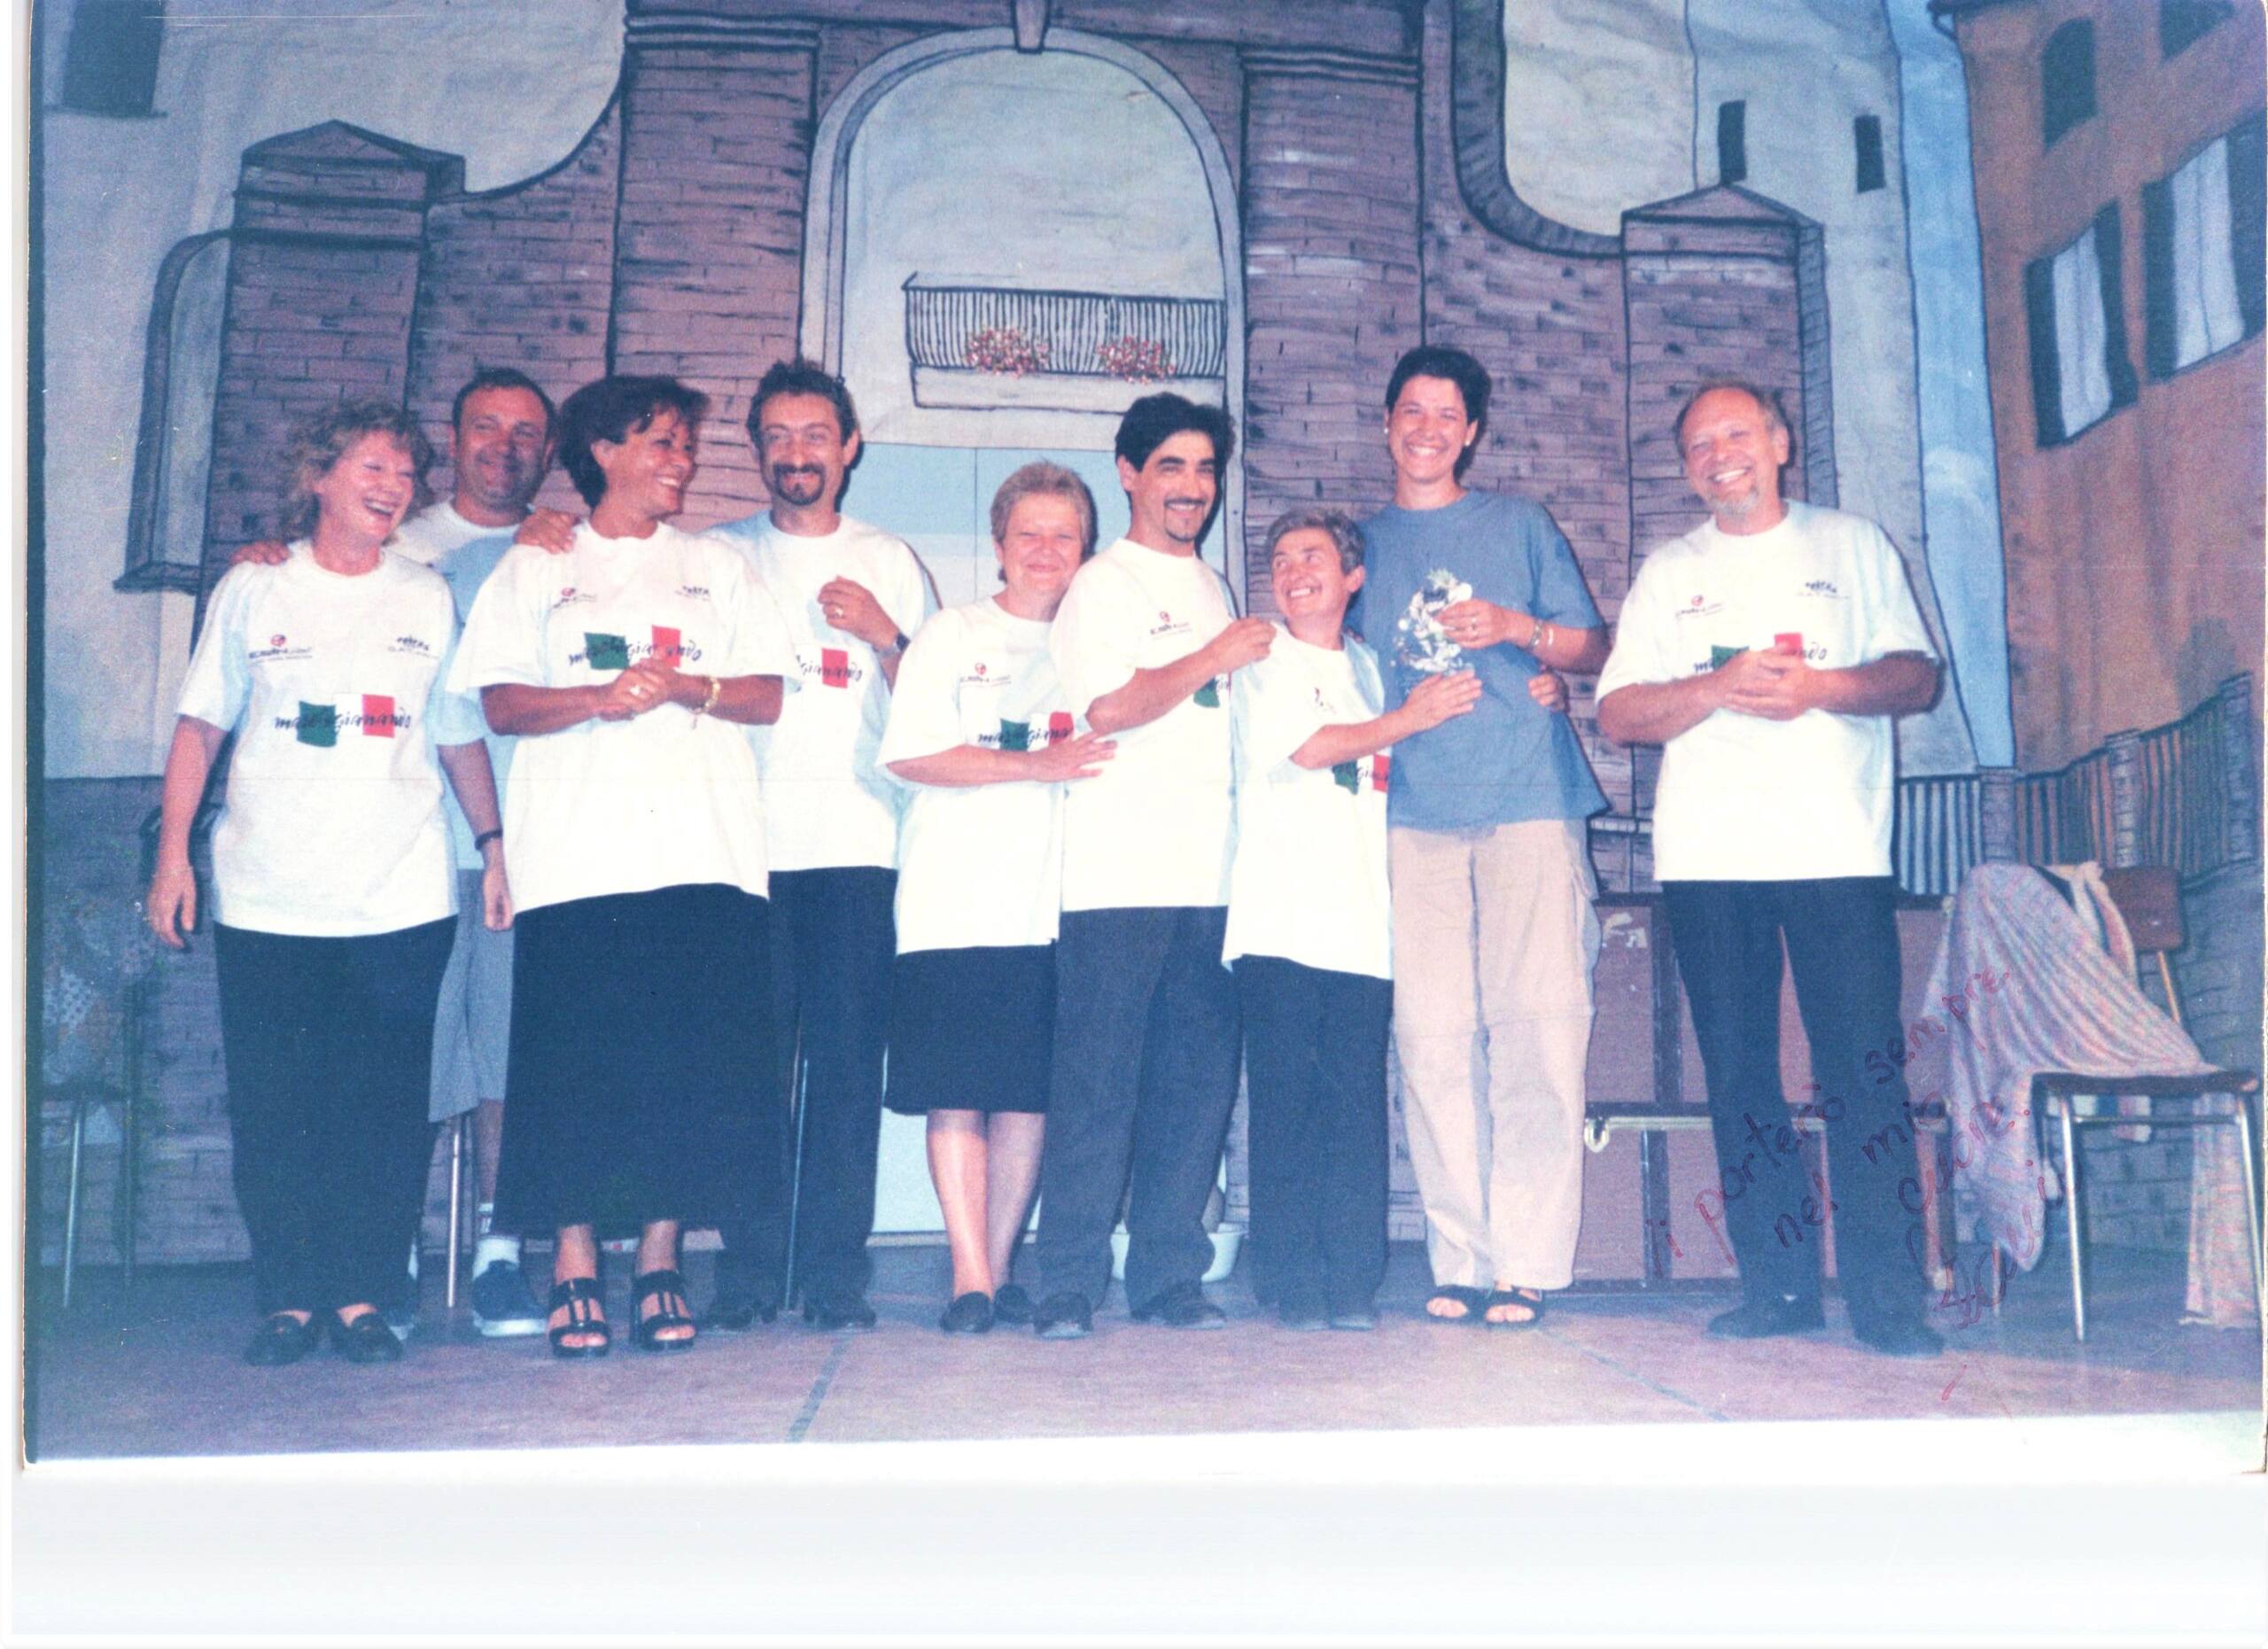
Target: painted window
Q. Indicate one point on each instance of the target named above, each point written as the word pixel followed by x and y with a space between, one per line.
pixel 2203 251
pixel 2067 80
pixel 111 64
pixel 2074 303
pixel 1732 141
pixel 2181 23
pixel 1866 143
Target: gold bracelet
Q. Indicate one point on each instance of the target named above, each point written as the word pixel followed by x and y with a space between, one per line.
pixel 709 699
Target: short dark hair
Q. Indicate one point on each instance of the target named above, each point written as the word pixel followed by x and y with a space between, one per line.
pixel 1041 478
pixel 1155 419
pixel 321 440
pixel 610 410
pixel 800 376
pixel 1345 534
pixel 1434 361
pixel 502 377
pixel 1776 416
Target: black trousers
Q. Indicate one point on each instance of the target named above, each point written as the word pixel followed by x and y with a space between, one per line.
pixel 1841 935
pixel 329 1044
pixel 835 939
pixel 1315 1077
pixel 1144 1078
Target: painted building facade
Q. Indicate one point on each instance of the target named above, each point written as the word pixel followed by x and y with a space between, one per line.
pixel 2119 188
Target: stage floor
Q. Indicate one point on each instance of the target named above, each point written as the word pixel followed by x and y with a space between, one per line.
pixel 161 1376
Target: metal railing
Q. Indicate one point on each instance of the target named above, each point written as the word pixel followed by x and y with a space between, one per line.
pixel 1064 333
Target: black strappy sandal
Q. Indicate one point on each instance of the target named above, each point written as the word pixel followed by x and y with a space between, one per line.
pixel 583 1300
pixel 668 1287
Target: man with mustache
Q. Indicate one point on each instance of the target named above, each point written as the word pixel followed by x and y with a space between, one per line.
pixel 1145 1016
pixel 1766 652
pixel 500 449
pixel 851 595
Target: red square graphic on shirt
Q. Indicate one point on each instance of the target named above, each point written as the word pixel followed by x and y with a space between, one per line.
pixel 377 716
pixel 1789 642
pixel 1058 726
pixel 1382 765
pixel 667 647
pixel 834 668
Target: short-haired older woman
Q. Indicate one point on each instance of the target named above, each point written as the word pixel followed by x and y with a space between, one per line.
pixel 981 731
pixel 627 667
pixel 334 883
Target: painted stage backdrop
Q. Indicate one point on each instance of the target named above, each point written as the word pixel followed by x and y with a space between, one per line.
pixel 1003 220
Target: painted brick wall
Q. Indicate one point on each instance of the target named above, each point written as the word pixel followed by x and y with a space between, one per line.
pixel 716 155
pixel 521 277
pixel 1332 292
pixel 322 281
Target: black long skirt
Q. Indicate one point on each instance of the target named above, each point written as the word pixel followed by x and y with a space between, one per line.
pixel 972 1030
pixel 642 1076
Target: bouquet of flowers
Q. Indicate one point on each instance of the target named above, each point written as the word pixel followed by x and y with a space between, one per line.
pixel 1425 646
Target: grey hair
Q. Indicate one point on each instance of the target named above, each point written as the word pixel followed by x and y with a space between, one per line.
pixel 1345 534
pixel 322 440
pixel 1042 477
pixel 1776 416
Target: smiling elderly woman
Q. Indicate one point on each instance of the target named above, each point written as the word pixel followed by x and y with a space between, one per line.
pixel 639 1069
pixel 334 883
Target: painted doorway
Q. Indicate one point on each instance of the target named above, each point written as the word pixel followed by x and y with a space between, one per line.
pixel 1006 249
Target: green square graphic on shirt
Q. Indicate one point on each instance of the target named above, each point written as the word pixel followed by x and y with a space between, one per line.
pixel 1348 776
pixel 1209 695
pixel 318 724
pixel 1015 735
pixel 1720 657
pixel 606 652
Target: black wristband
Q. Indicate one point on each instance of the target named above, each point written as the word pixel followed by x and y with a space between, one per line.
pixel 902 643
pixel 484 838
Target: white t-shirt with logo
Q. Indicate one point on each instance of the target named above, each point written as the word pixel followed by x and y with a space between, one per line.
pixel 1152 830
pixel 668 799
pixel 831 803
pixel 332 824
pixel 979 864
pixel 464 553
pixel 1309 879
pixel 1743 798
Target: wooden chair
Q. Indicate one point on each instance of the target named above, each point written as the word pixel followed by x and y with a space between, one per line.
pixel 2149 898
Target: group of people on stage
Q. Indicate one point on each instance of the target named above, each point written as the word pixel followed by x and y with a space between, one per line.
pixel 779 844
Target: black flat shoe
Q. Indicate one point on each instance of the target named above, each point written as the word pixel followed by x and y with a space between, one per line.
pixel 1182 1306
pixel 666 1287
pixel 970 1313
pixel 841 1313
pixel 1011 1304
pixel 581 1298
pixel 1764 1319
pixel 282 1339
pixel 365 1340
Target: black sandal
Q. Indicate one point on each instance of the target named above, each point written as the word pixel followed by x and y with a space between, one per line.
pixel 668 1287
pixel 1475 1301
pixel 583 1301
pixel 1529 1300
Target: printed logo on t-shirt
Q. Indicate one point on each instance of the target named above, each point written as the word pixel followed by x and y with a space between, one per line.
pixel 1824 589
pixel 416 646
pixel 1348 774
pixel 279 649
pixel 694 592
pixel 320 725
pixel 568 597
pixel 1700 607
pixel 604 650
pixel 1168 625
pixel 835 666
pixel 1021 736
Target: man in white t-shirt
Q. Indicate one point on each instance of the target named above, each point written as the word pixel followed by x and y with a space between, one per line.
pixel 500 450
pixel 1767 650
pixel 1146 1017
pixel 850 595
